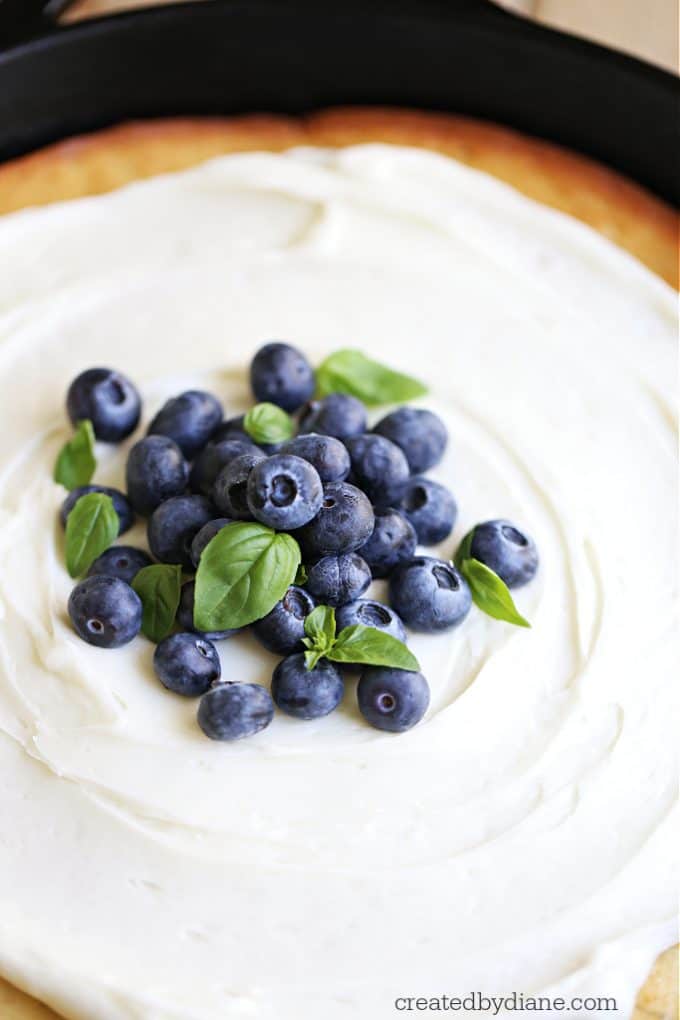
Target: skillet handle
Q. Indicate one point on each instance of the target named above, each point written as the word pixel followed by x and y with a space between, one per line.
pixel 21 19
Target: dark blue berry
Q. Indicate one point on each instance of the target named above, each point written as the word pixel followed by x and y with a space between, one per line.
pixel 122 561
pixel 174 525
pixel 421 435
pixel 429 594
pixel 379 468
pixel 233 428
pixel 108 399
pixel 185 615
pixel 337 415
pixel 105 611
pixel 232 711
pixel 190 419
pixel 280 374
pixel 284 492
pixel 392 542
pixel 214 457
pixel 156 470
pixel 230 491
pixel 121 504
pixel 337 580
pixel 206 535
pixel 392 699
pixel 343 523
pixel 371 614
pixel 307 693
pixel 283 629
pixel 430 508
pixel 187 664
pixel 326 453
pixel 509 552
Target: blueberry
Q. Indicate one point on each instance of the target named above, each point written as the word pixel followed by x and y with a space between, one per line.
pixel 371 614
pixel 429 594
pixel 214 457
pixel 108 399
pixel 280 374
pixel 233 428
pixel 174 525
pixel 421 435
pixel 343 523
pixel 206 535
pixel 187 664
pixel 232 711
pixel 283 629
pixel 379 468
pixel 105 611
pixel 326 453
pixel 156 470
pixel 337 580
pixel 121 504
pixel 230 491
pixel 392 699
pixel 123 561
pixel 185 615
pixel 337 415
pixel 190 419
pixel 307 693
pixel 430 508
pixel 506 550
pixel 392 542
pixel 284 492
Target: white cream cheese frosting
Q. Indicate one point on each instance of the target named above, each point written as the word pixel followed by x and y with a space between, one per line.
pixel 521 838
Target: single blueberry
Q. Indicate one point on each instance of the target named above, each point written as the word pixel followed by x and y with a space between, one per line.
pixel 284 492
pixel 174 525
pixel 214 457
pixel 421 434
pixel 190 419
pixel 234 710
pixel 187 664
pixel 430 508
pixel 343 523
pixel 392 699
pixel 206 535
pixel 185 615
pixel 121 504
pixel 429 594
pixel 281 375
pixel 230 491
pixel 337 580
pixel 108 399
pixel 371 614
pixel 156 470
pixel 392 542
pixel 379 468
pixel 307 693
pixel 509 552
pixel 123 561
pixel 283 629
pixel 326 453
pixel 105 611
pixel 337 415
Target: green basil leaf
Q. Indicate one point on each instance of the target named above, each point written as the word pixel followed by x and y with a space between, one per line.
pixel 243 572
pixel 302 576
pixel 91 527
pixel 320 631
pixel 76 462
pixel 267 423
pixel 158 586
pixel 371 647
pixel 490 593
pixel 463 551
pixel 350 371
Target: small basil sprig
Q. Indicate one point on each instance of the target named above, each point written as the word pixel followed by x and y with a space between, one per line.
pixel 91 527
pixel 302 575
pixel 267 423
pixel 243 572
pixel 367 646
pixel 76 462
pixel 159 587
pixel 488 591
pixel 350 371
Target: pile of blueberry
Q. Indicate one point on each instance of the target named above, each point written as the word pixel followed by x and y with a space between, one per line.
pixel 356 499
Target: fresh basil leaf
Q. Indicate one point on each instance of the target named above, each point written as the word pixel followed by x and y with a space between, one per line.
pixel 490 593
pixel 91 527
pixel 76 462
pixel 371 647
pixel 320 631
pixel 302 576
pixel 158 586
pixel 350 371
pixel 463 551
pixel 243 572
pixel 267 423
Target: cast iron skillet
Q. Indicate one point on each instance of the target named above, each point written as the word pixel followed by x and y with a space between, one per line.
pixel 230 56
